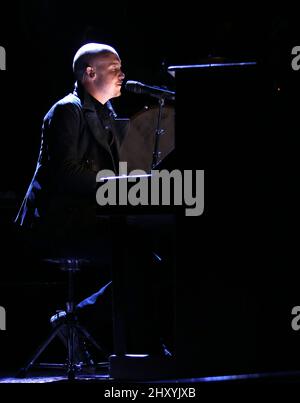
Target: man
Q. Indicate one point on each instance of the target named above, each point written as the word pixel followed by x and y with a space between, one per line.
pixel 80 136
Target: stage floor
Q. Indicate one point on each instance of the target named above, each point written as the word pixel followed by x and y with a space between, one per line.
pixel 44 376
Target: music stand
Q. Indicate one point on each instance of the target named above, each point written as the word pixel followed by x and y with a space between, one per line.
pixel 159 131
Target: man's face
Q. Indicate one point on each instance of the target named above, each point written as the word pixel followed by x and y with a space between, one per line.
pixel 109 76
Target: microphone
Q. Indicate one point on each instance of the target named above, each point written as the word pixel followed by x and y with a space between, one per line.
pixel 157 92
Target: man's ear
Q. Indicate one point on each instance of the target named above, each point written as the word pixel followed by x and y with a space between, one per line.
pixel 90 72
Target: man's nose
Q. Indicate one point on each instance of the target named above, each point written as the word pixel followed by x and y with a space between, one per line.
pixel 122 75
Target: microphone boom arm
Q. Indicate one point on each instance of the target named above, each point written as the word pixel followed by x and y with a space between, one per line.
pixel 157 92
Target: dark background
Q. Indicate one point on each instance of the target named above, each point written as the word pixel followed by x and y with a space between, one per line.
pixel 235 294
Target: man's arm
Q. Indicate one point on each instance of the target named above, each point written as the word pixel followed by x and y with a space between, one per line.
pixel 65 149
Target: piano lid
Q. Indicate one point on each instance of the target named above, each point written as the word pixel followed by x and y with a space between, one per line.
pixel 210 63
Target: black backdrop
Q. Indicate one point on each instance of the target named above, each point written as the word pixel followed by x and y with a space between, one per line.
pixel 40 39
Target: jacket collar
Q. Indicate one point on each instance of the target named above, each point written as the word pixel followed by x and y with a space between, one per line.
pixel 91 117
pixel 85 98
pixel 87 101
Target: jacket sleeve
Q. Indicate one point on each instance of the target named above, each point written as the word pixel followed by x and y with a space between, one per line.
pixel 63 132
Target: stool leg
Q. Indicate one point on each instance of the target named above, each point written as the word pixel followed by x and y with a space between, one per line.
pixel 71 359
pixel 23 371
pixel 89 337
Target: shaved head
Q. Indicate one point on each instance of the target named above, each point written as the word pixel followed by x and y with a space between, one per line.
pixel 87 54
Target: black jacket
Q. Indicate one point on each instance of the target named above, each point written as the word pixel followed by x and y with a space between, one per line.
pixel 74 147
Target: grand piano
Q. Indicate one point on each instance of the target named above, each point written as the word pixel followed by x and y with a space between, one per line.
pixel 222 126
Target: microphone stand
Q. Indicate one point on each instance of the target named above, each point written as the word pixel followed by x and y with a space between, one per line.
pixel 158 133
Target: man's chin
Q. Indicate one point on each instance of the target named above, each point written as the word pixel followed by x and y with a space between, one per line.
pixel 117 94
